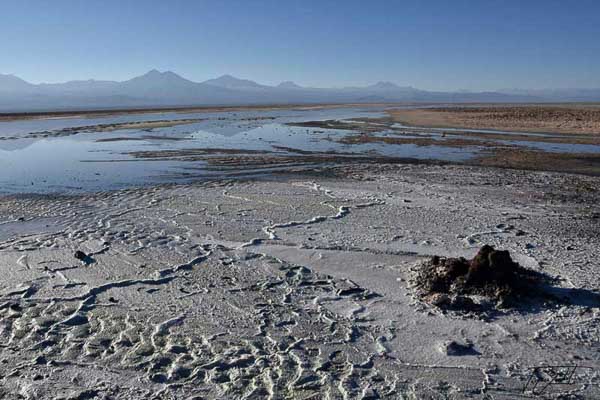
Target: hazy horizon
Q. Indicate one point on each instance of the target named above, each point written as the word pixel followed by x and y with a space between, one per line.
pixel 465 45
pixel 275 84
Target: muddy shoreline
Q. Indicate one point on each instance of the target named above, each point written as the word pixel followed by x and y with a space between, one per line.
pixel 117 152
pixel 17 116
pixel 503 149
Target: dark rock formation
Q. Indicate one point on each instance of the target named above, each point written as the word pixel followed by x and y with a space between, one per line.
pixel 491 274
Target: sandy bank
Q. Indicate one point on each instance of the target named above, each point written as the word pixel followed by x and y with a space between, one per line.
pixel 559 119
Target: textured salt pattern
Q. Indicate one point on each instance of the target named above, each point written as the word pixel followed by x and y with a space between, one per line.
pixel 296 288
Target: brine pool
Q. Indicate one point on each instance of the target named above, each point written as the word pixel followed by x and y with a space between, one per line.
pixel 96 161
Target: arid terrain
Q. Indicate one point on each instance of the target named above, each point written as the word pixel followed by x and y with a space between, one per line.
pixel 300 200
pixel 572 119
pixel 301 286
pixel 297 254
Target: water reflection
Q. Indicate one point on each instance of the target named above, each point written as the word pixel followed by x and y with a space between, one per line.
pixel 110 160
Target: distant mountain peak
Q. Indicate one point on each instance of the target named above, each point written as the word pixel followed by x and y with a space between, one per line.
pixel 289 85
pixel 9 82
pixel 157 73
pixel 384 85
pixel 154 76
pixel 231 82
pixel 11 77
pixel 166 88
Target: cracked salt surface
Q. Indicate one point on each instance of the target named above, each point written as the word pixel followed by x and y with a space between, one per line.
pixel 320 305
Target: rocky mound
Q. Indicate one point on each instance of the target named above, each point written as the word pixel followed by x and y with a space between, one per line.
pixel 491 278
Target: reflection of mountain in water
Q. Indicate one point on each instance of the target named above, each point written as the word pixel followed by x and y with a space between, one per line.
pixel 13 145
pixel 85 161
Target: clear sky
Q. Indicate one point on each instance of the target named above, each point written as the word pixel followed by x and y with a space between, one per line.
pixel 430 44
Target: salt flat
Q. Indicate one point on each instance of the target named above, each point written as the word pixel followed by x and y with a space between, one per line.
pixel 296 286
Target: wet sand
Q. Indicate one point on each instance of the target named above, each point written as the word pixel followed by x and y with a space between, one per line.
pixel 141 125
pixel 135 125
pixel 510 156
pixel 298 286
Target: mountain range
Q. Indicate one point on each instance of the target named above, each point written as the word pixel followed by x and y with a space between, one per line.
pixel 166 89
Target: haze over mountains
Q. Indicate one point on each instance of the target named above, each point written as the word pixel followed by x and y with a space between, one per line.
pixel 163 89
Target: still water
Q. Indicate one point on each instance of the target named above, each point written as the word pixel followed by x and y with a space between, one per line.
pixel 94 161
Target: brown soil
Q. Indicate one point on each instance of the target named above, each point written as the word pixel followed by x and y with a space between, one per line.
pixel 503 156
pixel 451 142
pixel 514 158
pixel 558 119
pixel 109 112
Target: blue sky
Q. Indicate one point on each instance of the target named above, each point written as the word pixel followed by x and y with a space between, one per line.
pixel 440 45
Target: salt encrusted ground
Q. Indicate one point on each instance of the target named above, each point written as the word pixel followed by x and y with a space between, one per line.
pixel 294 287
